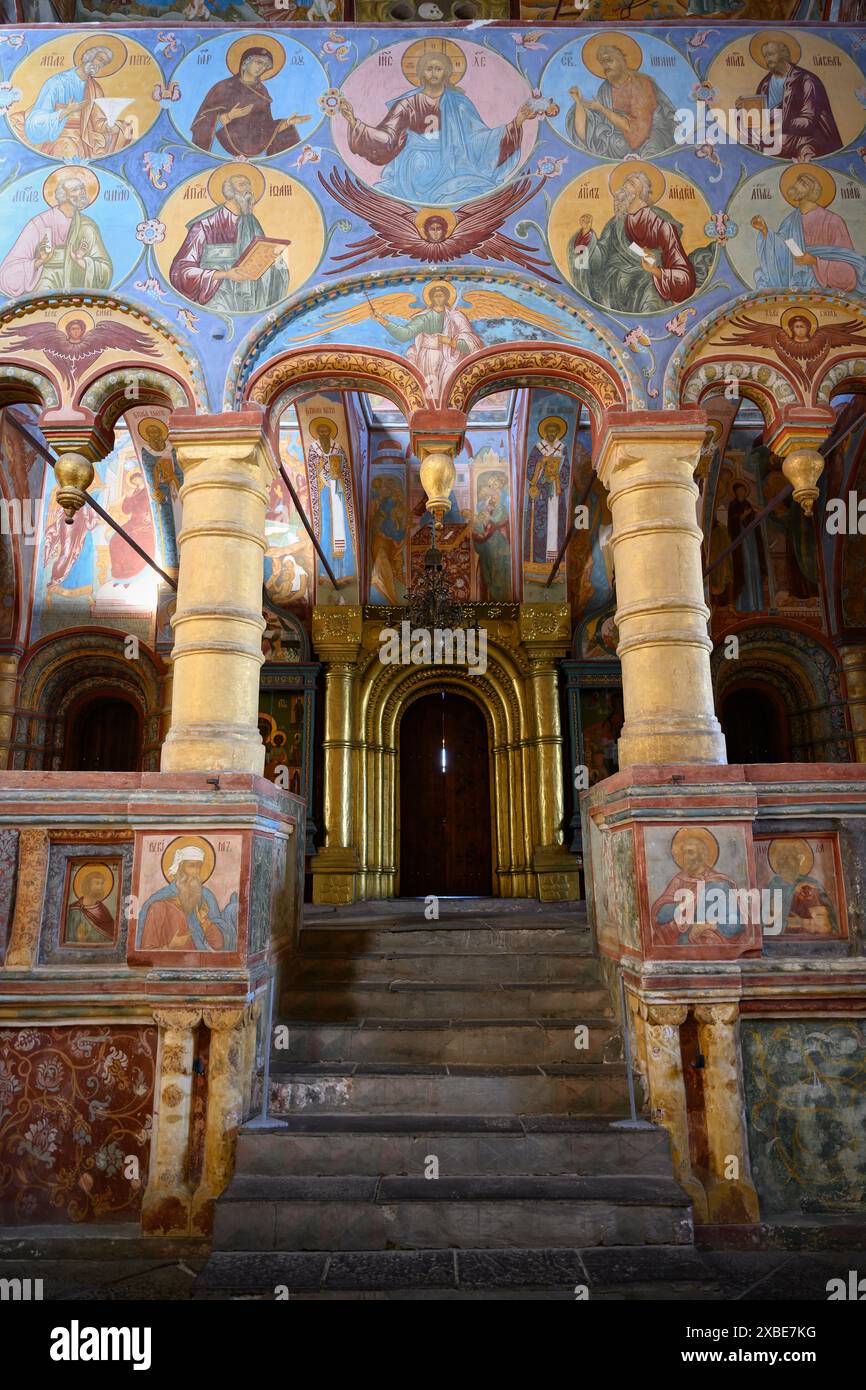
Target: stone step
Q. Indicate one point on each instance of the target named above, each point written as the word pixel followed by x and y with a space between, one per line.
pixel 413 999
pixel 675 1271
pixel 445 940
pixel 587 1089
pixel 347 1145
pixel 466 967
pixel 356 1213
pixel 439 1043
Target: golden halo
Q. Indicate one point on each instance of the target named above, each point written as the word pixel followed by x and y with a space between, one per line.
pixel 629 47
pixel 66 171
pixel 629 166
pixel 757 41
pixel 218 177
pixel 821 176
pixel 553 420
pixel 418 50
pixel 183 842
pixel 95 867
pixel 427 292
pixel 269 720
pixel 807 858
pixel 445 216
pixel 116 46
pixel 322 422
pixel 797 313
pixel 696 832
pixel 70 318
pixel 243 45
pixel 153 420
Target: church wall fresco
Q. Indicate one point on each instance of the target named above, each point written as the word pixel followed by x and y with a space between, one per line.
pixel 192 145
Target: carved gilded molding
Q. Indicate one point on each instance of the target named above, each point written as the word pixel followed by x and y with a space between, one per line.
pixel 573 366
pixel 344 364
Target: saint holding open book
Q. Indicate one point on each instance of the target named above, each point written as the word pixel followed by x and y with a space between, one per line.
pixel 226 260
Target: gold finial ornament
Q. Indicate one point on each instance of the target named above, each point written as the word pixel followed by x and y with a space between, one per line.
pixel 803 468
pixel 74 474
pixel 437 479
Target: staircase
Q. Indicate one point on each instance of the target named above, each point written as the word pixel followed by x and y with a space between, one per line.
pixel 443 1137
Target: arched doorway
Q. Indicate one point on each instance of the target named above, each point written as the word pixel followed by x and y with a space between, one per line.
pixel 444 798
pixel 755 726
pixel 103 735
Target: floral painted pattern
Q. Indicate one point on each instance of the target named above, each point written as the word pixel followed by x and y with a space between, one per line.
pixel 76 1106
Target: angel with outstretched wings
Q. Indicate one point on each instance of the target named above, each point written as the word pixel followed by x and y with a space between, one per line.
pixel 797 339
pixel 434 235
pixel 440 331
pixel 74 344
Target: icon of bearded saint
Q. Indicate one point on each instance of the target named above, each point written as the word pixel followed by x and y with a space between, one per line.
pixel 74 344
pixel 434 235
pixel 797 339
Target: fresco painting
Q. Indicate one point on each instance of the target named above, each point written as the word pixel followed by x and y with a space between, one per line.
pixel 187 895
pixel 333 508
pixel 702 863
pixel 806 870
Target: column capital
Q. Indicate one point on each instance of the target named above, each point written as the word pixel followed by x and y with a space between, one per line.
pixel 436 429
pixel 338 632
pixel 664 1015
pixel 231 437
pixel 624 432
pixel 76 433
pixel 545 630
pixel 223 1020
pixel 713 1015
pixel 180 1019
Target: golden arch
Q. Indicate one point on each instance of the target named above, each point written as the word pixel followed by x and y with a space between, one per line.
pixel 536 364
pixel 365 701
pixel 282 379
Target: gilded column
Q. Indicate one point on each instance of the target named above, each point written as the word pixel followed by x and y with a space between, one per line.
pixel 8 692
pixel 731 1195
pixel 218 624
pixel 667 1092
pixel 23 949
pixel 168 1198
pixel 225 1100
pixel 545 635
pixel 337 636
pixel 664 645
pixel 854 666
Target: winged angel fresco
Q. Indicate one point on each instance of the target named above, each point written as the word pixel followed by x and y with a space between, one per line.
pixel 74 343
pixel 441 332
pixel 797 339
pixel 435 235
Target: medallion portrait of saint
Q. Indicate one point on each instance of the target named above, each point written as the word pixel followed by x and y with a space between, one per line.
pixel 210 265
pixel 640 260
pixel 798 95
pixel 629 113
pixel 236 114
pixel 811 247
pixel 75 114
pixel 431 143
pixel 61 248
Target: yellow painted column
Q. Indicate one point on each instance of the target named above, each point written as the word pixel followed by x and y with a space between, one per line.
pixel 23 947
pixel 854 666
pixel 218 624
pixel 168 1199
pixel 337 635
pixel 225 1099
pixel 731 1195
pixel 8 692
pixel 545 634
pixel 664 645
pixel 667 1093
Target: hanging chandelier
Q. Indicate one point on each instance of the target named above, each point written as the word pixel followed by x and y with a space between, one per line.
pixel 431 602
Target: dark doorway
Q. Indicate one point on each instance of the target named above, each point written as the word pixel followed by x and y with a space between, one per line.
pixel 444 799
pixel 755 726
pixel 104 735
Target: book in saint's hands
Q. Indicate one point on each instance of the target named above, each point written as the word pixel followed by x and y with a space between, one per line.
pixel 792 246
pixel 260 255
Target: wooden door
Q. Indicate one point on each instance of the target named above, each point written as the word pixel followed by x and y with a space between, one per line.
pixel 444 799
pixel 104 736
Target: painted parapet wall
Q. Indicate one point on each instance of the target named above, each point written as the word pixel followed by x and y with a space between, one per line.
pixel 142 919
pixel 746 1018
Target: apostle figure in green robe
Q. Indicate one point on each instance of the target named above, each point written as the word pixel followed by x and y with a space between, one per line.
pixel 638 264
